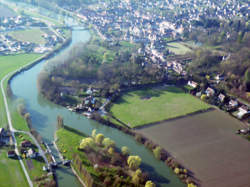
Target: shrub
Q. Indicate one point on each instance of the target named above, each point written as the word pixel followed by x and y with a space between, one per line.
pixel 134 162
pixel 99 138
pixel 125 150
pixel 150 184
pixel 107 142
pixel 157 152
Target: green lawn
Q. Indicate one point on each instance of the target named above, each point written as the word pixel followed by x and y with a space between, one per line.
pixel 32 35
pixel 178 48
pixel 146 106
pixel 11 173
pixel 9 64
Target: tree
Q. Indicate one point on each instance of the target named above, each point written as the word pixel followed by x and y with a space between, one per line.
pixel 150 184
pixel 136 177
pixel 247 80
pixel 60 123
pixel 125 150
pixel 134 162
pixel 107 142
pixel 93 133
pixel 99 138
pixel 157 152
pixel 203 97
pixel 111 150
pixel 87 143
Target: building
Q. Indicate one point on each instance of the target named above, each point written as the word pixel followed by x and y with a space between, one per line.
pixel 192 84
pixel 31 153
pixel 26 143
pixel 210 92
pixel 233 103
pixel 11 154
pixel 221 97
pixel 242 111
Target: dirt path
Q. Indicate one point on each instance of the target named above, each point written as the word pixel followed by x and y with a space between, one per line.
pixel 206 144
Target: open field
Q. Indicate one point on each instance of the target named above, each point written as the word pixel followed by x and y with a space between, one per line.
pixel 146 106
pixel 206 144
pixel 6 12
pixel 181 48
pixel 11 173
pixel 9 64
pixel 32 35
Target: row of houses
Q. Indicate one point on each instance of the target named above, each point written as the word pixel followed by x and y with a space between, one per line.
pixel 230 103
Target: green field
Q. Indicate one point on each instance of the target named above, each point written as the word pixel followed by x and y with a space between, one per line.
pixel 32 35
pixel 11 173
pixel 9 64
pixel 180 48
pixel 146 106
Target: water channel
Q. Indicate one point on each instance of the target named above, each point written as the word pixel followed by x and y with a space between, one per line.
pixel 44 114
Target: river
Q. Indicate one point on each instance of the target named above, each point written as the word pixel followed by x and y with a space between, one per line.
pixel 44 114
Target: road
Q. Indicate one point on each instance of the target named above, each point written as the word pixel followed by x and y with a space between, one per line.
pixel 12 130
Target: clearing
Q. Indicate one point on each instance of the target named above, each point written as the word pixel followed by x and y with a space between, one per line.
pixel 206 144
pixel 145 106
pixel 181 48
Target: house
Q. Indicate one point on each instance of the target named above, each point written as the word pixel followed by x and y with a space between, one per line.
pixel 2 133
pixel 31 153
pixel 219 77
pixel 221 97
pixel 242 111
pixel 192 84
pixel 11 154
pixel 233 103
pixel 210 92
pixel 26 143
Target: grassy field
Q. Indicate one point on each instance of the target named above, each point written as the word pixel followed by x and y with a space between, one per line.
pixel 146 106
pixel 180 48
pixel 32 35
pixel 11 173
pixel 9 64
pixel 68 141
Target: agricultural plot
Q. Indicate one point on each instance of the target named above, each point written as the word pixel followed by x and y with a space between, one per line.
pixel 147 106
pixel 32 35
pixel 11 173
pixel 8 64
pixel 206 144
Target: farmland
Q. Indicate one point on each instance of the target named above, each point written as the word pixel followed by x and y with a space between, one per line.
pixel 146 106
pixel 11 173
pixel 206 144
pixel 9 64
pixel 180 48
pixel 32 36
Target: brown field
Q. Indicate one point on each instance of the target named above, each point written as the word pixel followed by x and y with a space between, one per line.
pixel 206 144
